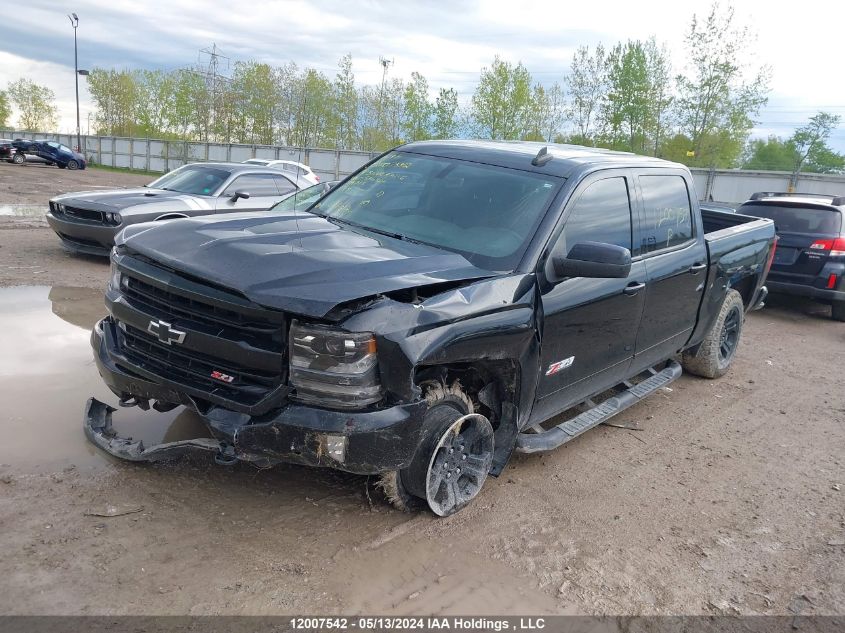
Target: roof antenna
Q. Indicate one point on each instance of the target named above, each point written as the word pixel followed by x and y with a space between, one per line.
pixel 542 157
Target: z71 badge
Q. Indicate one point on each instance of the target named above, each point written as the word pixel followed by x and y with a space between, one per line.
pixel 559 365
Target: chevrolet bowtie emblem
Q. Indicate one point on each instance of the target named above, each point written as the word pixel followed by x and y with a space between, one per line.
pixel 165 333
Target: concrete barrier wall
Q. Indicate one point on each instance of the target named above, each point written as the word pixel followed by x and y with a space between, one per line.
pixel 732 186
pixel 161 156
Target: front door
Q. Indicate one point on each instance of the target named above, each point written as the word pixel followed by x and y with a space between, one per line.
pixel 676 261
pixel 590 325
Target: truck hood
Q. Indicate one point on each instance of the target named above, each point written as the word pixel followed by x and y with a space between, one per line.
pixel 121 199
pixel 299 263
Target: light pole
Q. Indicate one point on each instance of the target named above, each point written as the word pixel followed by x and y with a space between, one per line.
pixel 74 22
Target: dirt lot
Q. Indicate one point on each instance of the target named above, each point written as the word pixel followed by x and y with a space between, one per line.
pixel 729 500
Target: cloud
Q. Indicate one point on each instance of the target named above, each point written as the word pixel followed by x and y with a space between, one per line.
pixel 447 42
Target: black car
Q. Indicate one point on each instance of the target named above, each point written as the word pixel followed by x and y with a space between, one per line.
pixel 810 259
pixel 51 152
pixel 429 315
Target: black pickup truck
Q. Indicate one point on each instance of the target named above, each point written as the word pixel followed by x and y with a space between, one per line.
pixel 449 303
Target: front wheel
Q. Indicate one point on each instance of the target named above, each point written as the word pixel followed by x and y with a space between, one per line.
pixel 716 352
pixel 450 466
pixel 18 159
pixel 72 164
pixel 838 311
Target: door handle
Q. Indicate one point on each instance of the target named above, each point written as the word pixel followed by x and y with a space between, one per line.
pixel 633 288
pixel 697 267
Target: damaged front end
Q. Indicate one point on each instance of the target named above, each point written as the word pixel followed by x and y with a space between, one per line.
pixel 100 432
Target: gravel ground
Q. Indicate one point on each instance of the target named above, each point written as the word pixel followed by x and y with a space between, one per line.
pixel 729 500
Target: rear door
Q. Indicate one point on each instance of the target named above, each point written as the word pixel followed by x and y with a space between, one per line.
pixel 590 325
pixel 262 189
pixel 805 237
pixel 675 258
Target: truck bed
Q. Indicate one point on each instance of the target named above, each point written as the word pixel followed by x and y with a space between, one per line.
pixel 738 248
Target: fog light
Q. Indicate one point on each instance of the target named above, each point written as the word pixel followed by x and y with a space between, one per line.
pixel 336 447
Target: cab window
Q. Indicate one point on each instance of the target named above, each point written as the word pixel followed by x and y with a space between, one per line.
pixel 667 213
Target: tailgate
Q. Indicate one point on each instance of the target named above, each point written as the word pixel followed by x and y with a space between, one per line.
pixel 799 254
pixel 805 233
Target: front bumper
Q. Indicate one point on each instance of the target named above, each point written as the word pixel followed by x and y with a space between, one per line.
pixel 362 442
pixel 88 238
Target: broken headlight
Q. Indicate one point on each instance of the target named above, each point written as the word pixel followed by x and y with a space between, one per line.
pixel 114 273
pixel 333 368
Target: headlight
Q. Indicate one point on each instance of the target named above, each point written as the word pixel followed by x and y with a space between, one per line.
pixel 333 368
pixel 113 218
pixel 114 276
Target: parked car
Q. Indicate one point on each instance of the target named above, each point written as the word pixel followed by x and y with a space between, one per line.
pixel 303 199
pixel 716 206
pixel 810 259
pixel 5 149
pixel 429 315
pixel 292 167
pixel 87 221
pixel 51 152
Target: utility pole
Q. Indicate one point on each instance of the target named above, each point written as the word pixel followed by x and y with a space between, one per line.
pixel 385 63
pixel 74 22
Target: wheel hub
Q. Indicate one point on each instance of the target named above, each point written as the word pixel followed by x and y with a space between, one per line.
pixel 460 464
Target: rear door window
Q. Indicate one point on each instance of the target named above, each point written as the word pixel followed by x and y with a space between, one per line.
pixel 797 219
pixel 667 213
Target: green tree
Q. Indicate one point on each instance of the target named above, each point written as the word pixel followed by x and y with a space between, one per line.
pixel 446 123
pixel 770 154
pixel 36 105
pixel 502 101
pixel 417 110
pixel 346 104
pixel 587 88
pixel 716 102
pixel 115 94
pixel 5 109
pixel 810 144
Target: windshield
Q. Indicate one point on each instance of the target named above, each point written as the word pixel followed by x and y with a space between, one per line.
pixel 198 180
pixel 301 200
pixel 486 213
pixel 797 219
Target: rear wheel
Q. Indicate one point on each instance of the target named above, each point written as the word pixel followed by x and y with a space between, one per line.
pixel 72 164
pixel 451 466
pixel 838 311
pixel 18 159
pixel 716 352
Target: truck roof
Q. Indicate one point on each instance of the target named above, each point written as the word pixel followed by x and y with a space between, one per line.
pixel 566 159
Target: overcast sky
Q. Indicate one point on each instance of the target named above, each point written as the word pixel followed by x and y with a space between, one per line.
pixel 448 42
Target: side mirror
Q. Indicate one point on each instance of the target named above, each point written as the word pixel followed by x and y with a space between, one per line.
pixel 240 194
pixel 594 259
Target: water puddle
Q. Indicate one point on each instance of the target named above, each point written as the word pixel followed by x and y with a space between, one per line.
pixel 23 210
pixel 47 373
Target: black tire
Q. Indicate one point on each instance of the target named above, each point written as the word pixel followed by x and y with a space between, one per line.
pixel 18 159
pixel 72 165
pixel 718 349
pixel 452 463
pixel 61 166
pixel 838 311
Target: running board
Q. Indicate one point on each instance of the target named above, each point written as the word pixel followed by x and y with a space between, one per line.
pixel 566 431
